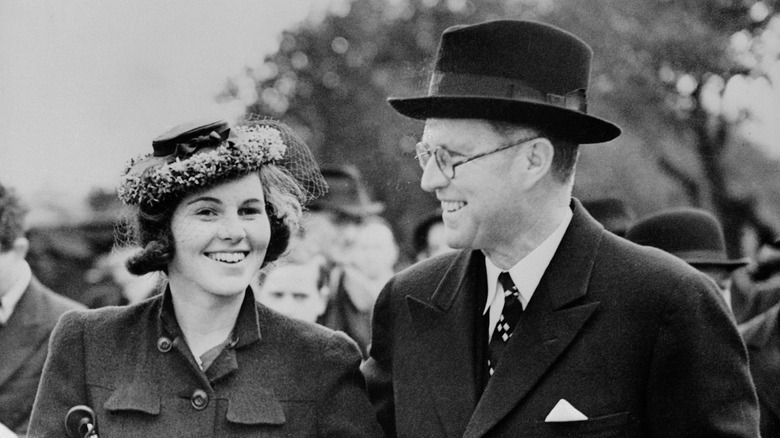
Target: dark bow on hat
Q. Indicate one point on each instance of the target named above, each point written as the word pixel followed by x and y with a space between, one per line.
pixel 185 140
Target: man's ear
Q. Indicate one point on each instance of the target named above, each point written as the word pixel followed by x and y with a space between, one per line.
pixel 539 156
pixel 21 246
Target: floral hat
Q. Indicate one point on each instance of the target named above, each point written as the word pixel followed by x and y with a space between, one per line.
pixel 199 154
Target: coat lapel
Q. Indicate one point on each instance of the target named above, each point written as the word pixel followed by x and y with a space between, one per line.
pixel 555 315
pixel 445 347
pixel 24 333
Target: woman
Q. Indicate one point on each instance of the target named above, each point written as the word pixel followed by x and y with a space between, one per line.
pixel 213 205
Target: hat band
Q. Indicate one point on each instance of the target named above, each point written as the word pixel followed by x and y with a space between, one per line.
pixel 465 84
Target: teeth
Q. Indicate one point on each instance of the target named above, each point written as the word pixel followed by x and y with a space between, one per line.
pixel 227 257
pixel 450 206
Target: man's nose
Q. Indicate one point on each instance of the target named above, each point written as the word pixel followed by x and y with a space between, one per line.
pixel 433 178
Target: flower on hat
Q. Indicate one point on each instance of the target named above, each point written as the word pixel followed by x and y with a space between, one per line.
pixel 150 180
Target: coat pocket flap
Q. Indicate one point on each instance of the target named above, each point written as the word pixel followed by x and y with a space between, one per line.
pixel 133 398
pixel 262 408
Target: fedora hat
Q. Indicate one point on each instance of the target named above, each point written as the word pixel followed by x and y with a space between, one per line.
pixel 516 71
pixel 347 194
pixel 691 234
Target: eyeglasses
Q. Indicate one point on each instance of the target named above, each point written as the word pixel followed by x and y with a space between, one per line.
pixel 444 159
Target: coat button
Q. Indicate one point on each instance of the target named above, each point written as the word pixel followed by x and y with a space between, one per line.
pixel 199 399
pixel 164 344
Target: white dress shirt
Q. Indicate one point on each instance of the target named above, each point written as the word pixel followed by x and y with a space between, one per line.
pixel 526 274
pixel 9 300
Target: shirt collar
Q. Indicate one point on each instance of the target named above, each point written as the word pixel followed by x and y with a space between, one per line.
pixel 528 272
pixel 11 298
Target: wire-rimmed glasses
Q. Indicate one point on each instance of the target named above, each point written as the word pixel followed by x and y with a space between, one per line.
pixel 444 159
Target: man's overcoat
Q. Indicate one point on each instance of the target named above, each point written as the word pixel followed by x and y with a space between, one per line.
pixel 631 337
pixel 24 342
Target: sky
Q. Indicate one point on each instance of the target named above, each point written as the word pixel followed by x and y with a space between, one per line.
pixel 86 85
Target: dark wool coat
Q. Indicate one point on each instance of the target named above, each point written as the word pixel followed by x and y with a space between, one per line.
pixel 632 337
pixel 24 342
pixel 762 335
pixel 279 377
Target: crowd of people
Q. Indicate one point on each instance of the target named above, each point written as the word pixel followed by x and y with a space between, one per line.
pixel 260 294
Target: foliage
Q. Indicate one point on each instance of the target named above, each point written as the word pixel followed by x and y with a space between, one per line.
pixel 653 58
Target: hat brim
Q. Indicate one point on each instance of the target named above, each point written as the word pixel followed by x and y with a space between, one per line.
pixel 726 264
pixel 572 125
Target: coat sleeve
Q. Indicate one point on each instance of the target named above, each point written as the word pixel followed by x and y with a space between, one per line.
pixel 700 383
pixel 344 410
pixel 378 369
pixel 62 384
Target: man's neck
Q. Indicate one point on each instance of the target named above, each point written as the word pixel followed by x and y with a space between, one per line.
pixel 527 240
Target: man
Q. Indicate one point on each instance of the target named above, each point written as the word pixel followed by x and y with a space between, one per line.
pixel 695 236
pixel 597 336
pixel 333 229
pixel 28 312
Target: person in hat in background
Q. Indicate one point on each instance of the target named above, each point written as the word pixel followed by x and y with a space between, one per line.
pixel 28 313
pixel 695 236
pixel 213 205
pixel 613 213
pixel 543 324
pixel 335 227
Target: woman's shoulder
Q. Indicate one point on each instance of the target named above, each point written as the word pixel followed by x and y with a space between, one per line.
pixel 304 336
pixel 106 318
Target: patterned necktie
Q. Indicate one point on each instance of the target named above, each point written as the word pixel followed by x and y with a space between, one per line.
pixel 510 315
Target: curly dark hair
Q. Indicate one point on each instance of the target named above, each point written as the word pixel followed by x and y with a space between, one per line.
pixel 12 214
pixel 151 226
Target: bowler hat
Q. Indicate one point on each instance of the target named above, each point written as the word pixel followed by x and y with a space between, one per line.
pixel 347 194
pixel 691 234
pixel 516 71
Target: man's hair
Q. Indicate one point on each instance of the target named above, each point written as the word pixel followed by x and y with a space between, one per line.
pixel 12 214
pixel 565 154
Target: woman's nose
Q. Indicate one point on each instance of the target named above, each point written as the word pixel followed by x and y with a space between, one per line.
pixel 232 229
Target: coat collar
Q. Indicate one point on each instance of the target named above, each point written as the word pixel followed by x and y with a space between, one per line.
pixel 252 404
pixel 553 318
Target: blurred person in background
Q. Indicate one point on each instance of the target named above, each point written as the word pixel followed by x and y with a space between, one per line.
pixel 296 289
pixel 762 337
pixel 28 313
pixel 428 238
pixel 756 288
pixel 114 285
pixel 331 228
pixel 695 236
pixel 355 283
pixel 213 205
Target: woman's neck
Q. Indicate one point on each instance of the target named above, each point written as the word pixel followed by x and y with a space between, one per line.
pixel 205 321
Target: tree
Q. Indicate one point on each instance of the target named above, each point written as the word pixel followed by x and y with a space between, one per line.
pixel 655 61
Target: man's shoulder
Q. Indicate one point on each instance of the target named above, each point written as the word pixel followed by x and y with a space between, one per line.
pixel 429 272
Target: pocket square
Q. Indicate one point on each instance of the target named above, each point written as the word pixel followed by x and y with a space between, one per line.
pixel 564 412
